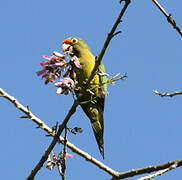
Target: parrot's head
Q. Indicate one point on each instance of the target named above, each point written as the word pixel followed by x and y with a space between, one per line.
pixel 74 46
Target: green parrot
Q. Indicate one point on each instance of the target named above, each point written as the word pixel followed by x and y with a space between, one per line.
pixel 95 97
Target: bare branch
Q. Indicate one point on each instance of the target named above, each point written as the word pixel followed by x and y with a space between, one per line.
pixel 116 33
pixel 64 155
pixel 42 125
pixel 110 35
pixel 54 141
pixel 168 16
pixel 149 169
pixel 26 111
pixel 159 173
pixel 86 156
pixel 46 128
pixel 168 94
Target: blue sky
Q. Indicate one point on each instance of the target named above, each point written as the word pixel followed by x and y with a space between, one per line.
pixel 140 128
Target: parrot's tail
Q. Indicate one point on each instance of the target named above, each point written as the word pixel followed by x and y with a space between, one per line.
pixel 98 132
pixel 95 114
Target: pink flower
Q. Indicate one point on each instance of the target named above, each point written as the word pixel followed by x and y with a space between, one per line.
pixel 41 72
pixel 53 67
pixel 47 57
pixel 76 62
pixel 50 77
pixel 69 155
pixel 65 86
pixel 52 60
pixel 55 56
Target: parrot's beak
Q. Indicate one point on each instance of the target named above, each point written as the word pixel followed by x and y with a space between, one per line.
pixel 67 48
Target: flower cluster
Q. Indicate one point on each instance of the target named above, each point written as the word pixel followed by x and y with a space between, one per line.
pixel 76 62
pixel 65 86
pixel 54 67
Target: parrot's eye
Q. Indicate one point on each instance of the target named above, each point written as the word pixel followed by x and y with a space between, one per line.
pixel 74 41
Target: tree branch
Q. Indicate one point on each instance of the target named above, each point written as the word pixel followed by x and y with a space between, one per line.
pixel 54 141
pixel 149 169
pixel 110 35
pixel 42 125
pixel 49 130
pixel 168 94
pixel 168 16
pixel 159 173
pixel 63 175
pixel 86 156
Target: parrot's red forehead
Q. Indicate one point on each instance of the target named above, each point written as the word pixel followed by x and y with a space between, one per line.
pixel 68 40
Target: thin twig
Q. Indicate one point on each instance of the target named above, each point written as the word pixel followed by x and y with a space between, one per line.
pixel 112 80
pixel 110 35
pixel 168 94
pixel 64 154
pixel 168 16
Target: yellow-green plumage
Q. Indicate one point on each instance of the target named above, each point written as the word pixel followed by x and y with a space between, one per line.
pixel 94 100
